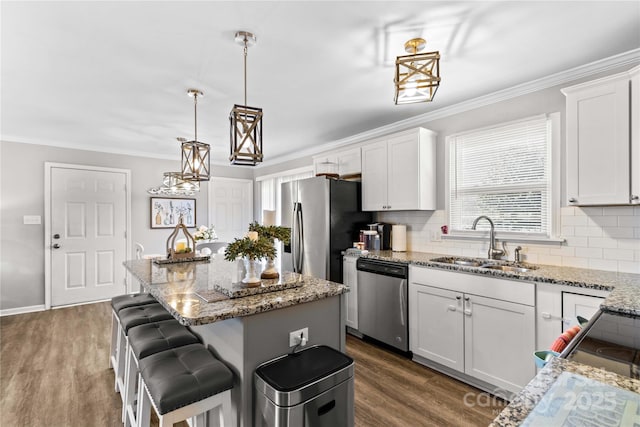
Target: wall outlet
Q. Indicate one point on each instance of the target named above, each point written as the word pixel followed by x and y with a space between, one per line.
pixel 31 219
pixel 301 336
pixel 436 236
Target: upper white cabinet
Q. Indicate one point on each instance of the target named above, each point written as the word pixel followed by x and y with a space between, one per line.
pixel 399 172
pixel 603 144
pixel 347 161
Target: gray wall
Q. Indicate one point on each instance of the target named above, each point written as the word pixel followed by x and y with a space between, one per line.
pixel 22 193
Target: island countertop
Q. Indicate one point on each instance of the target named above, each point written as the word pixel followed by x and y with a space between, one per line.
pixel 184 289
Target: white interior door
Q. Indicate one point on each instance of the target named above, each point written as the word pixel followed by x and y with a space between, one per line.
pixel 230 207
pixel 88 224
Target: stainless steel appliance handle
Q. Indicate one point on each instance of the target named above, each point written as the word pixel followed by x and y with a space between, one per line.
pixel 294 237
pixel 402 301
pixel 301 237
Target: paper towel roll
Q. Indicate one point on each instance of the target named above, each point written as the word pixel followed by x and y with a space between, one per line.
pixel 399 238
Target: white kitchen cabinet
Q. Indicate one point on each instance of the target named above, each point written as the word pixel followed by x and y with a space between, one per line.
pixel 499 341
pixel 483 327
pixel 399 172
pixel 350 278
pixel 436 325
pixel 553 317
pixel 348 162
pixel 574 305
pixel 603 145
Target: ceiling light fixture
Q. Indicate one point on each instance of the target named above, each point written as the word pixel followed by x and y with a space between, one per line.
pixel 245 121
pixel 195 155
pixel 417 75
pixel 174 185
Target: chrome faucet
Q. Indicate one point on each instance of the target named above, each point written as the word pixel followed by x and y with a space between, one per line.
pixel 493 252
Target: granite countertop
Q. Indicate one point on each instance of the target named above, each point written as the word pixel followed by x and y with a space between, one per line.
pixel 624 299
pixel 522 405
pixel 184 289
pixel 625 287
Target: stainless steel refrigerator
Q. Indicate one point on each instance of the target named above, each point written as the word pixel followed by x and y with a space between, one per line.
pixel 325 217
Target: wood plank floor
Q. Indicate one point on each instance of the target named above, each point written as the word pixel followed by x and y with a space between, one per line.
pixel 54 372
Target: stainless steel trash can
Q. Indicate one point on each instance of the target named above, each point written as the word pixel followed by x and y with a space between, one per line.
pixel 311 388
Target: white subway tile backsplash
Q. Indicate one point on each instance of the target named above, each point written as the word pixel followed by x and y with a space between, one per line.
pixel 575 220
pixel 591 212
pixel 629 244
pixel 602 242
pixel 603 264
pixel 565 251
pixel 589 252
pixel 550 259
pixel 618 210
pixel 604 238
pixel 579 241
pixel 628 221
pixel 618 232
pixel 603 221
pixel 575 262
pixel 589 231
pixel 618 254
pixel 629 267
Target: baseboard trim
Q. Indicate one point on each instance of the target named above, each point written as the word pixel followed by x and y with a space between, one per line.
pixel 21 310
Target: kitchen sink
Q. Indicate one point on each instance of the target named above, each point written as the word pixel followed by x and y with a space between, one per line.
pixel 468 262
pixel 487 263
pixel 510 268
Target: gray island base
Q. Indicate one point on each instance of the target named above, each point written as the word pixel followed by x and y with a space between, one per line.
pixel 247 331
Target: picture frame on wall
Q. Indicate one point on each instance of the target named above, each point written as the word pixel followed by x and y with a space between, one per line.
pixel 165 212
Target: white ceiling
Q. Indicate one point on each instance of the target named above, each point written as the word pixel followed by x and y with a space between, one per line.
pixel 112 76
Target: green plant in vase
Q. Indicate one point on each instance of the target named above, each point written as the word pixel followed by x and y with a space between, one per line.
pixel 251 248
pixel 273 232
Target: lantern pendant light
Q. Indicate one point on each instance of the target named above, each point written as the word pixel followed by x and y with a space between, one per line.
pixel 245 121
pixel 417 75
pixel 195 155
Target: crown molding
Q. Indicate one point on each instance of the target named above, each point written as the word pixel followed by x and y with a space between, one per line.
pixel 631 57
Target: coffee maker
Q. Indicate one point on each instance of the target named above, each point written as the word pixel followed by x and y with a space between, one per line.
pixel 384 231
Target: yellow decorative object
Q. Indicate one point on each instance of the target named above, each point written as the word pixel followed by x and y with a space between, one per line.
pixel 182 249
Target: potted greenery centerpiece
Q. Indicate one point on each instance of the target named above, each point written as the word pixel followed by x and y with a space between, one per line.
pixel 251 248
pixel 272 232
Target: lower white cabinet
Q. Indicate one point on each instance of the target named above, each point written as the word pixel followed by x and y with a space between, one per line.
pixel 557 308
pixel 350 278
pixel 437 325
pixel 460 321
pixel 574 305
pixel 499 341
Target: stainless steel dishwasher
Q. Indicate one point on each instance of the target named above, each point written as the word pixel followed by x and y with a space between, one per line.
pixel 382 301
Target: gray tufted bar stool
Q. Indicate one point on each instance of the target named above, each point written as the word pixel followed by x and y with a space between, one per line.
pixel 146 340
pixel 118 303
pixel 182 383
pixel 131 317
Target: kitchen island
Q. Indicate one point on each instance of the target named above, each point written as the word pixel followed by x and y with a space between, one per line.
pixel 243 326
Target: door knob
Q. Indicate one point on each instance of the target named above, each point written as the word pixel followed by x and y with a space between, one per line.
pixel 56 246
pixel 56 236
pixel 573 200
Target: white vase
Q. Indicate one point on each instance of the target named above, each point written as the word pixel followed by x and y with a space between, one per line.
pixel 252 271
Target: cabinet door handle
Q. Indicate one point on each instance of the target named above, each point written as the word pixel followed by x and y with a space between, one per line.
pixel 634 197
pixel 467 312
pixel 451 308
pixel 466 298
pixel 458 297
pixel 573 200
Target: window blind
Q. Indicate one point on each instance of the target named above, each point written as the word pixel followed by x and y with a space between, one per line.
pixel 502 172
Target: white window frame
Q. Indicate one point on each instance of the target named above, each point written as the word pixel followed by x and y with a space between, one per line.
pixel 554 198
pixel 276 179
